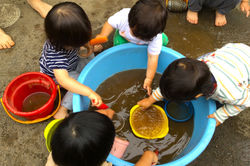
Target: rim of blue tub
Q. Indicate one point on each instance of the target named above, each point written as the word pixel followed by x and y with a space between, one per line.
pixel 179 161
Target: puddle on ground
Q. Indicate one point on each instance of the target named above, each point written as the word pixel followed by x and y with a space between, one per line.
pixel 121 92
pixel 35 101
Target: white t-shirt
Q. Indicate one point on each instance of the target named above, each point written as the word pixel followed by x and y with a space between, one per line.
pixel 120 21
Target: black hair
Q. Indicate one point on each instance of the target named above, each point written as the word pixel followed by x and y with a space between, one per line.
pixel 67 24
pixel 83 139
pixel 185 78
pixel 147 18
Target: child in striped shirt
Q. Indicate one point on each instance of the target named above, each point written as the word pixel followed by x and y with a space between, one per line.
pixel 223 75
pixel 68 30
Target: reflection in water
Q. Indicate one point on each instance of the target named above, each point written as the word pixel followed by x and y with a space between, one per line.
pixel 121 92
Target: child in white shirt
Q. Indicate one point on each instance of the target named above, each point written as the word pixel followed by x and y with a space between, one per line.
pixel 143 24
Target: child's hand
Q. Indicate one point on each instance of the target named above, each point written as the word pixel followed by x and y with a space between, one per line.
pixel 155 158
pixel 245 7
pixel 148 158
pixel 147 102
pixel 152 155
pixel 147 85
pixel 95 99
pixel 86 50
pixel 212 116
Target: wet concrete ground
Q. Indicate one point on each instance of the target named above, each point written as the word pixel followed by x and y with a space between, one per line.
pixel 22 145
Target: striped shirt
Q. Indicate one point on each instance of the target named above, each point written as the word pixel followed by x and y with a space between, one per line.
pixel 57 59
pixel 230 66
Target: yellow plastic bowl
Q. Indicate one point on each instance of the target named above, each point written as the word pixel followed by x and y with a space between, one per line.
pixel 49 131
pixel 164 130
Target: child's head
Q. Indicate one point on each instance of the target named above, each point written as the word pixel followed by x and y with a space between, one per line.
pixel 67 25
pixel 84 138
pixel 185 79
pixel 147 18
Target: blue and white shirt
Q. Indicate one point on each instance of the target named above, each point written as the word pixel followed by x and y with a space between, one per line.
pixel 230 65
pixel 57 59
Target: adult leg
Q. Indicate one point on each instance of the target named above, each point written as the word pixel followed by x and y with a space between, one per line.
pixel 41 7
pixel 5 40
pixel 194 6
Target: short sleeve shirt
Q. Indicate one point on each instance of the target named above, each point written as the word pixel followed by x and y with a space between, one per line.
pixel 57 59
pixel 120 21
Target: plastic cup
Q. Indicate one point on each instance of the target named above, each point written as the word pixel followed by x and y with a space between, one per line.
pixel 119 147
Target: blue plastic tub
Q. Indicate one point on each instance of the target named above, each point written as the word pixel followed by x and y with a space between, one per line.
pixel 129 56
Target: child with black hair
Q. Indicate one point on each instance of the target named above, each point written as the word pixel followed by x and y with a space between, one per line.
pixel 222 7
pixel 85 139
pixel 223 75
pixel 143 24
pixel 68 30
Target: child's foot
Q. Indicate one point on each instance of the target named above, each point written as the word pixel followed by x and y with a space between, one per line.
pixel 98 48
pixel 5 40
pixel 41 7
pixel 192 17
pixel 220 19
pixel 62 113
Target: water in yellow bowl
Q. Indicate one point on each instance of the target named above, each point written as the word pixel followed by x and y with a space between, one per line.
pixel 148 123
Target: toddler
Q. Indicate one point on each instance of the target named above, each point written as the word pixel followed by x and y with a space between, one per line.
pixel 222 8
pixel 85 139
pixel 144 23
pixel 68 29
pixel 222 75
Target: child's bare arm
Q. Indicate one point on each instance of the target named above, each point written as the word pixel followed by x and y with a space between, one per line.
pixel 108 112
pixel 151 70
pixel 50 161
pixel 244 6
pixel 148 158
pixel 147 102
pixel 74 86
pixel 107 29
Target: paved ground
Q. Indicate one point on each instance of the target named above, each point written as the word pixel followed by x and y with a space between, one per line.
pixel 23 145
